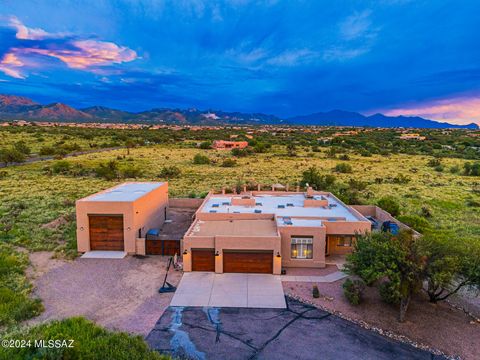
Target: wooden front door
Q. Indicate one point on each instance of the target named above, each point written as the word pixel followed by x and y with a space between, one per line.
pixel 106 232
pixel 203 260
pixel 248 262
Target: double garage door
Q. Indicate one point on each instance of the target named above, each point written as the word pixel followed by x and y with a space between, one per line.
pixel 234 261
pixel 106 232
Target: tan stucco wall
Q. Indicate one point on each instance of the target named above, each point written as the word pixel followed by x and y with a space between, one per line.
pixel 146 212
pixel 318 234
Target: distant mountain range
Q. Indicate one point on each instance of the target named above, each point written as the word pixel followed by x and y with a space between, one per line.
pixel 22 108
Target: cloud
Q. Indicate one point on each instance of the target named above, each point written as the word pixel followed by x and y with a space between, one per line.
pixel 356 25
pixel 460 110
pixel 76 53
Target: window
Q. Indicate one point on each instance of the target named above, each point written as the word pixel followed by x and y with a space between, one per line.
pixel 342 240
pixel 302 247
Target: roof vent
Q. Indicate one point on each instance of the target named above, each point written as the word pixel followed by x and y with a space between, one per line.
pixel 226 203
pixel 257 211
pixel 215 205
pixel 289 204
pixel 258 204
pixel 213 211
pixel 281 206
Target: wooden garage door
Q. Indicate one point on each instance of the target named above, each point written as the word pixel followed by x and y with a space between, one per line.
pixel 248 262
pixel 106 232
pixel 203 260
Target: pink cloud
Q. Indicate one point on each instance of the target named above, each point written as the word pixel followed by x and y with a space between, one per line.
pixel 10 65
pixel 80 54
pixel 459 110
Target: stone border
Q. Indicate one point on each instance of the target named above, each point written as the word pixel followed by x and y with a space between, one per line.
pixel 367 326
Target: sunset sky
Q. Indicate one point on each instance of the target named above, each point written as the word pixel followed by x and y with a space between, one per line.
pixel 280 57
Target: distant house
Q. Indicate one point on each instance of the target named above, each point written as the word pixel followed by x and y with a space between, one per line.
pixel 227 145
pixel 412 137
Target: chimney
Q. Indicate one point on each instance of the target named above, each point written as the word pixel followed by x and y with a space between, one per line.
pixel 309 191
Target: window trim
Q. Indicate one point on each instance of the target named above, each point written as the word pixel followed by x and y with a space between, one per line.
pixel 302 245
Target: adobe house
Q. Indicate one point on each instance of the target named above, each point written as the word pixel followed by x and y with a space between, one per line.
pixel 263 231
pixel 117 219
pixel 228 145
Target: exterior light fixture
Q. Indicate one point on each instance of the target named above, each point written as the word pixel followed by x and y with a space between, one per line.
pixel 129 228
pixel 278 254
pixel 217 253
pixel 185 252
pixel 81 229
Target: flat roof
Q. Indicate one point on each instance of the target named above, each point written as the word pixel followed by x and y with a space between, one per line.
pixel 234 228
pixel 125 192
pixel 283 205
pixel 287 221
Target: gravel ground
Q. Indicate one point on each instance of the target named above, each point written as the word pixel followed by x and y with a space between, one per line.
pixel 330 269
pixel 118 294
pixel 437 326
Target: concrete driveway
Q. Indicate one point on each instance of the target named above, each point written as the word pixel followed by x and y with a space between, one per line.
pixel 298 332
pixel 229 290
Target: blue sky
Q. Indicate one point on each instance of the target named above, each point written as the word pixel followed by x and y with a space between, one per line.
pixel 279 57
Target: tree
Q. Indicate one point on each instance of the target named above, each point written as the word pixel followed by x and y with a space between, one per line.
pixel 291 149
pixel 390 205
pixel 450 265
pixel 129 144
pixel 205 145
pixel 11 155
pixel 315 179
pixel 108 171
pixel 379 256
pixel 170 172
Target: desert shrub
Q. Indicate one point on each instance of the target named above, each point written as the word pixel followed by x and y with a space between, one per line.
pixel 344 157
pixel 434 162
pixel 205 145
pixel 108 170
pixel 315 179
pixel 426 212
pixel 90 342
pixel 241 152
pixel 415 222
pixel 132 172
pixel 471 169
pixel 229 163
pixel 22 147
pixel 343 168
pixel 11 155
pixel 61 167
pixel 390 205
pixel 3 174
pixel 170 172
pixel 315 292
pixel 439 168
pixel 200 159
pixel 401 179
pixel 455 169
pixel 473 203
pixel 261 148
pixel 389 292
pixel 46 150
pixel 15 302
pixel 353 291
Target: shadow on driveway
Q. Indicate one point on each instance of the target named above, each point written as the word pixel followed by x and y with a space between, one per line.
pixel 298 332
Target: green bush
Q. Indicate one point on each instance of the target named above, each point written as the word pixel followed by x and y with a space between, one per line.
pixel 229 163
pixel 108 170
pixel 132 172
pixel 390 205
pixel 241 152
pixel 343 168
pixel 170 172
pixel 389 292
pixel 200 159
pixel 315 179
pixel 471 169
pixel 90 342
pixel 415 222
pixel 61 167
pixel 315 292
pixel 434 162
pixel 206 145
pixel 353 291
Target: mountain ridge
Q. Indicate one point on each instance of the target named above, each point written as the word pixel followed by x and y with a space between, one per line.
pixel 14 107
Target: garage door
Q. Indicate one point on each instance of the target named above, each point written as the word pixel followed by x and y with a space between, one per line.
pixel 203 260
pixel 106 232
pixel 248 262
